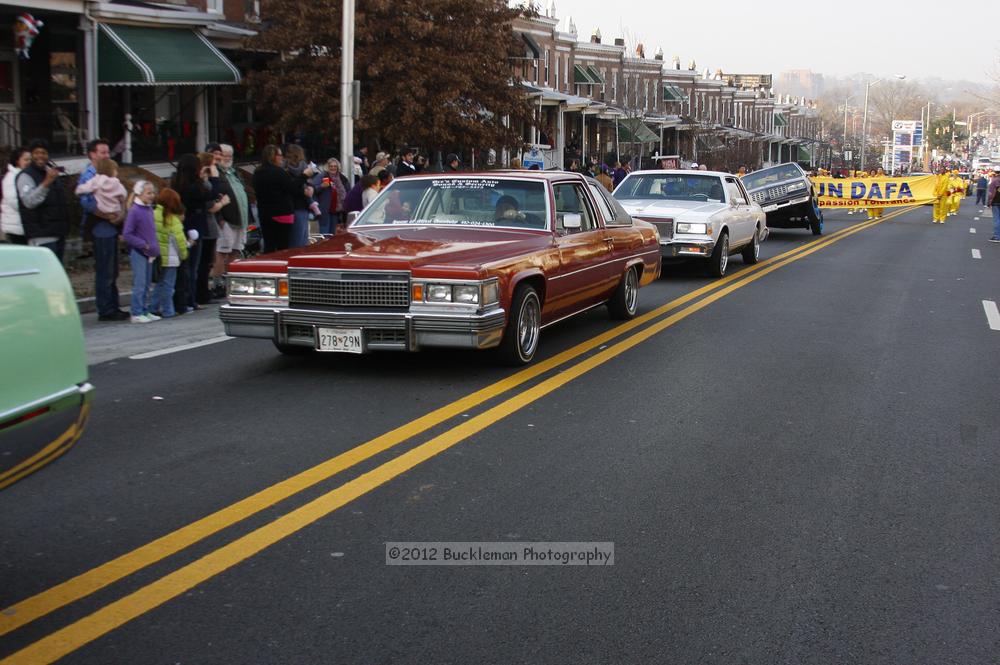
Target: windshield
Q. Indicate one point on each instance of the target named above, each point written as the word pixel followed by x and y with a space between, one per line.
pixel 771 176
pixel 671 187
pixel 460 201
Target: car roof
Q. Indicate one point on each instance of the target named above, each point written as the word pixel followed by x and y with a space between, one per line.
pixel 504 173
pixel 681 172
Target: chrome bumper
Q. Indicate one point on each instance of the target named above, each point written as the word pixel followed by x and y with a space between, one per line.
pixel 397 331
pixel 688 247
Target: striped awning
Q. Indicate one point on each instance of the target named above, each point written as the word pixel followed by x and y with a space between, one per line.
pixel 135 55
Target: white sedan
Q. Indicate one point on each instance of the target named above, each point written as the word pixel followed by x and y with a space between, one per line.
pixel 700 214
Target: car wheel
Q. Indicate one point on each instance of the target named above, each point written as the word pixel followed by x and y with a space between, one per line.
pixel 751 253
pixel 292 349
pixel 815 221
pixel 625 302
pixel 520 338
pixel 719 261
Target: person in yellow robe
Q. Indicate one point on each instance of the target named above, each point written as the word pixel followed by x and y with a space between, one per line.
pixel 858 175
pixel 876 213
pixel 957 192
pixel 942 192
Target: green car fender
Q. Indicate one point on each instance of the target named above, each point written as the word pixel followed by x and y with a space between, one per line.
pixel 43 363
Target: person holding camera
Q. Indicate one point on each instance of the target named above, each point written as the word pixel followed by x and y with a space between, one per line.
pixel 42 201
pixel 330 189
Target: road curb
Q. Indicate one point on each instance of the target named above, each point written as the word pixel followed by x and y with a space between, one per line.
pixel 88 305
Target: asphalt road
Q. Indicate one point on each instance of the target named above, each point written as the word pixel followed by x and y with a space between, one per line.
pixel 798 465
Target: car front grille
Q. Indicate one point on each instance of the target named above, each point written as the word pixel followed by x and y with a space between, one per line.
pixel 664 226
pixel 771 193
pixel 344 289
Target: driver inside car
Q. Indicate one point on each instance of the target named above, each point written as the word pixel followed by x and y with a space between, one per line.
pixel 507 210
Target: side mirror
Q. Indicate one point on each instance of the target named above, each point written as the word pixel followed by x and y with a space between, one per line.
pixel 572 221
pixel 352 216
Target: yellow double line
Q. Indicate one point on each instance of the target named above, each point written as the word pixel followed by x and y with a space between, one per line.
pixel 111 616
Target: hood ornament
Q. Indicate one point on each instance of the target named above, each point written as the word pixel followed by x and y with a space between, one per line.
pixel 348 247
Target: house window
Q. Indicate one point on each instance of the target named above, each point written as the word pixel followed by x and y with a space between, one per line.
pixel 556 86
pixel 546 66
pixel 645 94
pixel 614 86
pixel 251 11
pixel 214 6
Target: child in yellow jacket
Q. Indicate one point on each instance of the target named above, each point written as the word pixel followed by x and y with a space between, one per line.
pixel 168 215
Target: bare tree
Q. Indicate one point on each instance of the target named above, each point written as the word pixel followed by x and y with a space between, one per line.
pixel 893 100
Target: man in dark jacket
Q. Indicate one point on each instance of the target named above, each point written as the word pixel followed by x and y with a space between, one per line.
pixel 405 166
pixel 42 201
pixel 452 164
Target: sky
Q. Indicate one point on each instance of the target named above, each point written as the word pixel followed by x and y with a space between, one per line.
pixel 836 38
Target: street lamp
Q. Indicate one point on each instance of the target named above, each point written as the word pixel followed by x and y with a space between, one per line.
pixel 843 146
pixel 864 118
pixel 969 127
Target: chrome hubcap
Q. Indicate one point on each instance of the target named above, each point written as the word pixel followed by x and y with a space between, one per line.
pixel 724 259
pixel 756 244
pixel 528 325
pixel 631 291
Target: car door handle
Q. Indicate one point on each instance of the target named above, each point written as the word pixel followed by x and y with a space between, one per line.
pixel 610 241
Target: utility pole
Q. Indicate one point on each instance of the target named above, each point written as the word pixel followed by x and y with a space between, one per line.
pixel 347 90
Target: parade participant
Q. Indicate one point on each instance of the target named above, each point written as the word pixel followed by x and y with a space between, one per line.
pixel 957 192
pixel 876 213
pixel 144 248
pixel 942 192
pixel 993 196
pixel 173 249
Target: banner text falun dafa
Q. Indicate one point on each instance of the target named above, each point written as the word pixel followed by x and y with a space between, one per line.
pixel 874 192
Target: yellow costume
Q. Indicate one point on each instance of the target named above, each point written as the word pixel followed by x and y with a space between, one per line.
pixel 957 191
pixel 942 190
pixel 876 213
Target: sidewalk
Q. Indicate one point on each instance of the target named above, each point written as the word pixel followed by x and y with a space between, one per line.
pixel 112 340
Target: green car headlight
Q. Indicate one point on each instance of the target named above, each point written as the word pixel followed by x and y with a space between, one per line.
pixel 466 294
pixel 684 227
pixel 438 293
pixel 241 286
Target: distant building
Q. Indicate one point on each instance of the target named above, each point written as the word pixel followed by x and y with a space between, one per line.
pixel 799 83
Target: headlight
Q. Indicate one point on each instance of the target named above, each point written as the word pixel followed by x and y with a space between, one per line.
pixel 796 186
pixel 438 293
pixel 262 287
pixel 265 287
pixel 240 286
pixel 698 229
pixel 466 294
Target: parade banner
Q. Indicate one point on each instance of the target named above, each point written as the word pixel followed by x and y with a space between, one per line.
pixel 874 192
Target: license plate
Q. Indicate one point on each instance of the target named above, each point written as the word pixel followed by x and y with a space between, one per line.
pixel 771 208
pixel 339 340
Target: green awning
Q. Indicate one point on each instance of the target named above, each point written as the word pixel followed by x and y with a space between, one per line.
pixel 534 51
pixel 805 154
pixel 133 55
pixel 634 131
pixel 780 120
pixel 581 76
pixel 672 93
pixel 594 74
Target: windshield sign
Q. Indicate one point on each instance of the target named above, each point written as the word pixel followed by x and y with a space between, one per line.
pixel 671 187
pixel 771 176
pixel 457 201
